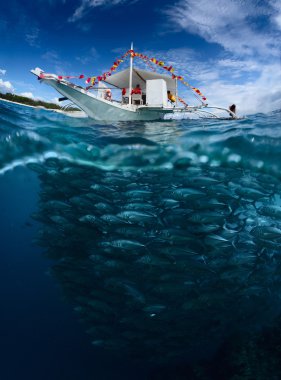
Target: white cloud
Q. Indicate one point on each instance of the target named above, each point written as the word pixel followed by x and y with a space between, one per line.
pixel 56 101
pixel 247 72
pixel 253 86
pixel 231 63
pixel 262 94
pixel 231 24
pixel 276 15
pixel 6 86
pixel 278 20
pixel 2 72
pixel 87 5
pixel 27 95
pixel 256 89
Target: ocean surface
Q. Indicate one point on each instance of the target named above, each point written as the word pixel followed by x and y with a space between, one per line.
pixel 139 250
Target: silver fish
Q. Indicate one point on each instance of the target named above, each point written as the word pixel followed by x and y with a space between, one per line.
pixel 140 207
pixel 132 231
pixel 124 244
pixel 136 217
pixel 249 193
pixel 272 211
pixel 266 232
pixel 184 194
pixel 112 219
pixel 139 194
pixel 59 205
pixel 104 207
pixel 100 189
pixel 207 217
pixel 92 220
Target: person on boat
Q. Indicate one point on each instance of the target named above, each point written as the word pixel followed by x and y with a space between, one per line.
pixel 108 94
pixel 232 108
pixel 136 90
pixel 125 98
pixel 171 97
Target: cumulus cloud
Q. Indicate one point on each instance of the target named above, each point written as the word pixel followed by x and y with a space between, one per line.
pixel 27 95
pixel 56 101
pixel 3 72
pixel 6 86
pixel 245 65
pixel 247 70
pixel 231 24
pixel 253 86
pixel 87 5
pixel 276 15
pixel 261 94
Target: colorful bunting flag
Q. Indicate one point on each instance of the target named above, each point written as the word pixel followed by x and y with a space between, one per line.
pixel 133 54
pixel 182 101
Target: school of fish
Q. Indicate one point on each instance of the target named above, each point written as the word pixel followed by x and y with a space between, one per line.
pixel 162 262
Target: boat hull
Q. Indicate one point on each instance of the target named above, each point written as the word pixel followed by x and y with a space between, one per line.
pixel 102 110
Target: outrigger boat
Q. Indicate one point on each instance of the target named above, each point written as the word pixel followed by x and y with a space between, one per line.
pixel 152 104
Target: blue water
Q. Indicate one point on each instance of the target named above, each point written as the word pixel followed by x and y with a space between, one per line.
pixel 162 238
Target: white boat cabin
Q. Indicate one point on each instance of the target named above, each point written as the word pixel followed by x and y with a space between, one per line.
pixel 153 87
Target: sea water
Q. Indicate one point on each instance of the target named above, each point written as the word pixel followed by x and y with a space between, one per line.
pixel 162 238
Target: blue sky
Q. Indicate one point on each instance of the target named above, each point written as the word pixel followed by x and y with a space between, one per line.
pixel 229 49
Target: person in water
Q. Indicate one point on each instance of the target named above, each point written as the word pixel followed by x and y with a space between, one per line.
pixel 232 108
pixel 171 97
pixel 136 90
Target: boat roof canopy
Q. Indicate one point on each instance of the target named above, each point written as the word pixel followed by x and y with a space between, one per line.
pixel 121 79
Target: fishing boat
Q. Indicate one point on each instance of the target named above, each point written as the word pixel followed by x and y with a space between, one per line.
pixel 151 103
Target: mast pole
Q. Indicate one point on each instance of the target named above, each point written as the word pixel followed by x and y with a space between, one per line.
pixel 176 92
pixel 131 75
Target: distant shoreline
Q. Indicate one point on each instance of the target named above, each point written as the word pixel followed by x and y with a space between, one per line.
pixel 67 113
pixel 22 104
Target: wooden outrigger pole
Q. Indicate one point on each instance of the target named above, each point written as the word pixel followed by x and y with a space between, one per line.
pixel 131 75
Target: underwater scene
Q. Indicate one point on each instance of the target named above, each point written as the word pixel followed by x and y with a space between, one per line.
pixel 140 250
